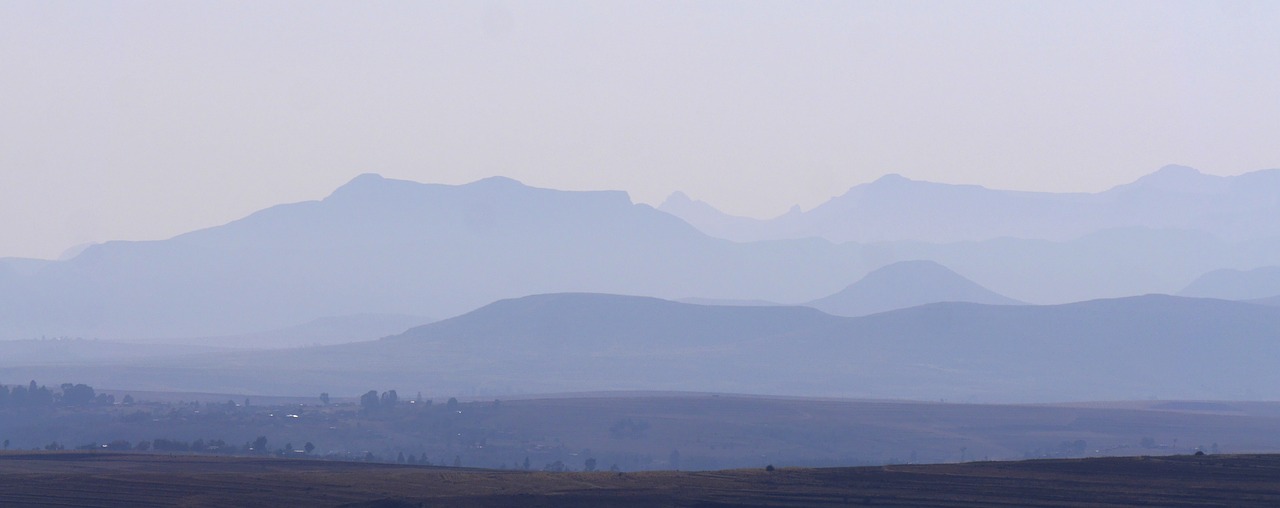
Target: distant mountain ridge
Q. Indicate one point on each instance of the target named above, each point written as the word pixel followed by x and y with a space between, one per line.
pixel 894 208
pixel 384 246
pixel 906 284
pixel 1113 349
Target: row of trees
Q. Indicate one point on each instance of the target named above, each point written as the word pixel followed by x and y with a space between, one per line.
pixel 257 446
pixel 35 396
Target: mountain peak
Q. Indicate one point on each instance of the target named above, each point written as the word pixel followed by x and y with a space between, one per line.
pixel 676 198
pixel 891 179
pixel 497 181
pixel 906 284
pixel 1176 178
pixel 1177 170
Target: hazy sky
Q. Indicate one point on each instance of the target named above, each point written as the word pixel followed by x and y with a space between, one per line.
pixel 141 120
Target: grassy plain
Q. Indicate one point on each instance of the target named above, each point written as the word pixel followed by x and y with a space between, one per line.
pixel 641 431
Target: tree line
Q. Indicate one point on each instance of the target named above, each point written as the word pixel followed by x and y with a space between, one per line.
pixel 33 395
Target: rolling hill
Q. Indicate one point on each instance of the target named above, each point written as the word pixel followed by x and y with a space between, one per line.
pixel 1117 349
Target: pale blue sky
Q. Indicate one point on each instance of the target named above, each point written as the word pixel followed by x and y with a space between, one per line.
pixel 141 120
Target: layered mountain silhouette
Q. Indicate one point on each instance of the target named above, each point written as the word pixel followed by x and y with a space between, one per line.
pixel 381 246
pixel 392 247
pixel 1227 284
pixel 894 208
pixel 906 284
pixel 1114 349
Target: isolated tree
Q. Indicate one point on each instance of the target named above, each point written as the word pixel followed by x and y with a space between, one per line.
pixel 526 463
pixel 369 402
pixel 457 461
pixel 6 444
pixel 308 448
pixel 452 404
pixel 127 400
pixel 260 444
pixel 324 398
pixel 590 465
pixel 400 458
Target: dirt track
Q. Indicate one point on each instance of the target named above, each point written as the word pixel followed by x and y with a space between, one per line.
pixel 118 480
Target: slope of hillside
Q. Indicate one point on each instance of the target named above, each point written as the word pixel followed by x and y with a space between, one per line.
pixel 1271 300
pixel 906 284
pixel 1236 284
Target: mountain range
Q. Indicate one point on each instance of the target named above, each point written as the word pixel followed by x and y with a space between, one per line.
pixel 378 246
pixel 895 208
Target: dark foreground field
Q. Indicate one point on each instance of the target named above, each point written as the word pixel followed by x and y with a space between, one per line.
pixel 111 480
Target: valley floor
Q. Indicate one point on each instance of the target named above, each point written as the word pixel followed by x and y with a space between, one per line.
pixel 124 479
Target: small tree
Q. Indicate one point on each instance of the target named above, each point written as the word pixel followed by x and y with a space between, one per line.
pixel 260 444
pixel 452 404
pixel 308 448
pixel 324 398
pixel 590 465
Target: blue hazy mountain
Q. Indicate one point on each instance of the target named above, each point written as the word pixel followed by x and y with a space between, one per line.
pixel 1230 284
pixel 906 284
pixel 1113 349
pixel 382 246
pixel 895 208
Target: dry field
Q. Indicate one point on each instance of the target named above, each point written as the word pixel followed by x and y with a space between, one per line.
pixel 134 480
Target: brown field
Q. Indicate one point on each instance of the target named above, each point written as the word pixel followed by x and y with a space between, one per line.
pixel 118 480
